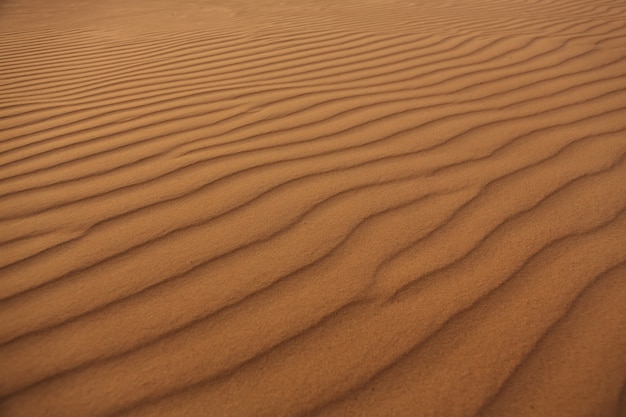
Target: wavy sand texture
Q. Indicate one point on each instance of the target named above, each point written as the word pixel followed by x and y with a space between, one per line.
pixel 312 208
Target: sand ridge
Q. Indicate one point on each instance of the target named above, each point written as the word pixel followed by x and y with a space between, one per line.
pixel 312 208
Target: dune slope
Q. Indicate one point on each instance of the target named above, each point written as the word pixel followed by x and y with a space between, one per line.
pixel 312 208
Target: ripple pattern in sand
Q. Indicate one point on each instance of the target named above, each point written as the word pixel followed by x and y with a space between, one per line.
pixel 358 209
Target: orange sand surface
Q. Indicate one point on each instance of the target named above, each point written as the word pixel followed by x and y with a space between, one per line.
pixel 377 208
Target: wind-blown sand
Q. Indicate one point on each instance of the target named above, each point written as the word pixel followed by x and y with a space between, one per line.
pixel 312 207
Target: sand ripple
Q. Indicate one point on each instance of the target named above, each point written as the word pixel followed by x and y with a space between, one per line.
pixel 312 208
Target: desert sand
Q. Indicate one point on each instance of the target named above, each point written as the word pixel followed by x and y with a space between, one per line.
pixel 240 208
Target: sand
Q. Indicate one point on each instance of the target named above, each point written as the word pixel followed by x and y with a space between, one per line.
pixel 312 208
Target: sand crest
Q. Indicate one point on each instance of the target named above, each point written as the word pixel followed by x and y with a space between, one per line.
pixel 312 208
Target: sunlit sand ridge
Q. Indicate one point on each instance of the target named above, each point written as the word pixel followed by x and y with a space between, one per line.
pixel 312 208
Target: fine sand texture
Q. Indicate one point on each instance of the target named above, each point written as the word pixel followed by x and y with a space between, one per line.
pixel 380 208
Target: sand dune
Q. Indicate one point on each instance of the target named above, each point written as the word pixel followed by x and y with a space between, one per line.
pixel 312 208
